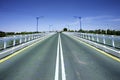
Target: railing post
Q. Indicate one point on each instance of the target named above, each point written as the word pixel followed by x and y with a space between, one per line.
pixel 28 37
pixel 37 36
pixel 104 39
pixel 97 38
pixel 81 35
pixel 25 38
pixel 5 44
pixel 32 37
pixel 20 39
pixel 113 42
pixel 14 41
pixel 89 36
pixel 93 37
pixel 86 35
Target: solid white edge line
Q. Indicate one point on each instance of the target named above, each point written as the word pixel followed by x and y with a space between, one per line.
pixel 57 62
pixel 62 62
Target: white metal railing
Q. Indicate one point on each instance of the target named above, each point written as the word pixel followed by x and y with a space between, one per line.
pixel 110 40
pixel 7 42
pixel 28 40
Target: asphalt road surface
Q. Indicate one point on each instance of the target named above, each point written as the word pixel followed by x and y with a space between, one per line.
pixel 59 57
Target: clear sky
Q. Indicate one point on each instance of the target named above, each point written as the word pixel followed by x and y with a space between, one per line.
pixel 20 15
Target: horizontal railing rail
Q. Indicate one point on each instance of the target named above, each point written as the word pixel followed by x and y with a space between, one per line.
pixel 109 40
pixel 7 42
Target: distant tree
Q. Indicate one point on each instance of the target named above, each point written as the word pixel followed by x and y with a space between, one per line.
pixel 2 34
pixel 71 30
pixel 10 33
pixel 91 31
pixel 109 32
pixel 81 30
pixel 24 33
pixel 117 32
pixel 17 33
pixel 98 31
pixel 103 31
pixel 65 29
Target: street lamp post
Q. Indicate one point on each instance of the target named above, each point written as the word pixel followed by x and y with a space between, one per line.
pixel 68 28
pixel 37 18
pixel 80 23
pixel 50 27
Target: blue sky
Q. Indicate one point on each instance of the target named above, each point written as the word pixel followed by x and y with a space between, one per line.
pixel 20 15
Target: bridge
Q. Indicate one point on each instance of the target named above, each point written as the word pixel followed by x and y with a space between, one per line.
pixel 60 56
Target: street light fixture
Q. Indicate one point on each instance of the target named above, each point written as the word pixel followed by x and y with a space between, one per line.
pixel 50 27
pixel 79 21
pixel 68 27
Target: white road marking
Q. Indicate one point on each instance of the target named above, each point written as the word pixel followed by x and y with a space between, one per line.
pixel 62 62
pixel 59 52
pixel 57 62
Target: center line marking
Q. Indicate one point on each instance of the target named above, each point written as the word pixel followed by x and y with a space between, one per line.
pixel 57 62
pixel 62 62
pixel 59 52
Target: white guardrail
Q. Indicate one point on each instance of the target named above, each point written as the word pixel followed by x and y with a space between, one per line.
pixel 9 45
pixel 107 43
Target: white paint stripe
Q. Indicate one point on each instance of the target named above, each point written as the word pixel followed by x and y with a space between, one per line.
pixel 62 62
pixel 57 62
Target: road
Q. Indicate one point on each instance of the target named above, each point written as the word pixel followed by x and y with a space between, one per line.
pixel 59 57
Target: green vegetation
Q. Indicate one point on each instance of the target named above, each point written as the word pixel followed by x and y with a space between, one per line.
pixel 65 29
pixel 10 33
pixel 100 31
pixel 24 33
pixel 3 34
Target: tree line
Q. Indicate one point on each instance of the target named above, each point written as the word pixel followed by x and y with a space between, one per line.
pixel 3 34
pixel 101 31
